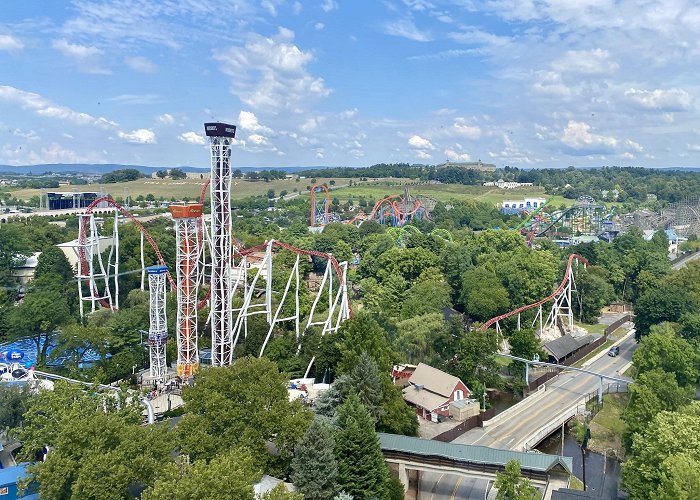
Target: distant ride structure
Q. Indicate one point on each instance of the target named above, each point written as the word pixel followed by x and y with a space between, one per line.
pixel 158 329
pixel 320 206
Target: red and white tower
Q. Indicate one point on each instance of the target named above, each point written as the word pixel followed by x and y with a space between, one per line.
pixel 221 135
pixel 188 251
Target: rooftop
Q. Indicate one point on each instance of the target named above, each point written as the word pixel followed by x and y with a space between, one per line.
pixel 567 344
pixel 434 380
pixel 535 462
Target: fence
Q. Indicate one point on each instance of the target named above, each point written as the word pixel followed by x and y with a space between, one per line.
pixel 591 399
pixel 468 424
pixel 617 324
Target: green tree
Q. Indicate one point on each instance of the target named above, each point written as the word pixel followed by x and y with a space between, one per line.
pixel 245 404
pixel 666 302
pixel 280 492
pixel 361 469
pixel 14 401
pixel 314 469
pixel 669 439
pixel 362 334
pixel 98 446
pixel 483 296
pixel 177 173
pixel 53 261
pixel 593 292
pixel 426 296
pixel 229 475
pixel 162 174
pixel 665 350
pixel 512 486
pixel 475 358
pixel 524 343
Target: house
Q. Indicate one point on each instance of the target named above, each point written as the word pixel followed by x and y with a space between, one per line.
pixel 23 270
pixel 431 391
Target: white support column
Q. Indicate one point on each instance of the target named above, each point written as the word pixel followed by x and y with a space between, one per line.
pixel 143 265
pixel 158 329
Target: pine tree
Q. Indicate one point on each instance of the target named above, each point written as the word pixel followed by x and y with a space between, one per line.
pixel 361 469
pixel 367 384
pixel 314 468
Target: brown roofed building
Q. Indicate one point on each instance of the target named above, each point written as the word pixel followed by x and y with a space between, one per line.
pixel 431 391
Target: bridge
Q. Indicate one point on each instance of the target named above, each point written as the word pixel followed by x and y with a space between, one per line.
pixel 524 425
pixel 425 457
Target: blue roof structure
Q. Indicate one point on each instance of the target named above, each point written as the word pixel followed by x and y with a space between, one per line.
pixel 8 482
pixel 671 235
pixel 157 269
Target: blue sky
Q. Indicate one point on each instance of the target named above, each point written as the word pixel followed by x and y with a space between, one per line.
pixel 546 83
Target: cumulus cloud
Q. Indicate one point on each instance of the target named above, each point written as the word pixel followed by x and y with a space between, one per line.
pixel 453 155
pixel 577 136
pixel 44 107
pixel 138 136
pixel 140 64
pixel 270 73
pixel 660 100
pixel 249 122
pixel 258 140
pixel 418 142
pixel 166 119
pixel 462 129
pixel 423 155
pixel 319 26
pixel 311 124
pixel 191 138
pixel 10 43
pixel 329 5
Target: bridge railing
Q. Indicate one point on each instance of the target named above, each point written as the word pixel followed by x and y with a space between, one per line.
pixel 591 399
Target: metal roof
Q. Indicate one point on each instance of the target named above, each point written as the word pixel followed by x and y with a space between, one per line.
pixel 567 344
pixel 536 462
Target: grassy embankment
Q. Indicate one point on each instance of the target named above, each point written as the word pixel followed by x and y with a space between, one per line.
pixel 607 427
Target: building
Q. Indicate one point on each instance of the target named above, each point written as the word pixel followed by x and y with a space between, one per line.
pixel 23 271
pixel 673 240
pixel 500 183
pixel 526 204
pixel 431 391
pixel 78 199
pixel 565 346
pixel 464 409
pixel 9 478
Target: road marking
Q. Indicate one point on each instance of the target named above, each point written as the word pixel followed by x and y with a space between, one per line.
pixel 454 492
pixel 432 497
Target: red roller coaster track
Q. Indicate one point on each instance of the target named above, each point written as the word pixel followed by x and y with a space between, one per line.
pixel 151 241
pixel 562 285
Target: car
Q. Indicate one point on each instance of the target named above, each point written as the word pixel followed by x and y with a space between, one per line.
pixel 614 351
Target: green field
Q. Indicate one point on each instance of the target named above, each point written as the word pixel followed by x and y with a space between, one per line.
pixel 180 189
pixel 372 189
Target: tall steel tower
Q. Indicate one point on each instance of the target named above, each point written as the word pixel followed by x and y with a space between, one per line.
pixel 188 251
pixel 221 136
pixel 158 329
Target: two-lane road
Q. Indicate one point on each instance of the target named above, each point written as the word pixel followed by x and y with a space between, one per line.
pixel 562 393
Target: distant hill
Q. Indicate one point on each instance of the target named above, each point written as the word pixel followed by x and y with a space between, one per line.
pixel 103 168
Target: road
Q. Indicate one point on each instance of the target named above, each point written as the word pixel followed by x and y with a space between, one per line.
pixel 562 394
pixel 435 486
pixel 685 261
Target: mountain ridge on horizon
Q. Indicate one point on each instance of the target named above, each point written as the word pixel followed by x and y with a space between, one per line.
pixel 103 168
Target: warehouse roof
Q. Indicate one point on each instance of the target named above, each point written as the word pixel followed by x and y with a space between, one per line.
pixel 563 346
pixel 535 462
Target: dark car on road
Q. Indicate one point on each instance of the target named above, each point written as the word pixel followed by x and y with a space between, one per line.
pixel 614 351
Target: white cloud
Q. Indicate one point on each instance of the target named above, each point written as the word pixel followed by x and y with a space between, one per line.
pixel 140 64
pixel 660 100
pixel 329 5
pixel 589 62
pixel 634 146
pixel 258 140
pixel 192 138
pixel 423 155
pixel 87 57
pixel 296 8
pixel 166 119
pixel 248 121
pixel 44 107
pixel 270 73
pixel 10 43
pixel 578 137
pixel 453 155
pixel 312 124
pixel 406 28
pixel 269 7
pixel 462 129
pixel 419 142
pixel 347 114
pixel 138 136
pixel 319 26
pixel 136 99
pixel 695 148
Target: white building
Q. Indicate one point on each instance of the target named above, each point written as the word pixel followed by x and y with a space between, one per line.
pixel 500 183
pixel 525 204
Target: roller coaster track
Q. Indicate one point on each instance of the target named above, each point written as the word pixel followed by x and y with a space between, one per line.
pixel 242 251
pixel 564 282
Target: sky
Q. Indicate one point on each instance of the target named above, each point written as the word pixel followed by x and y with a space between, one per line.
pixel 527 83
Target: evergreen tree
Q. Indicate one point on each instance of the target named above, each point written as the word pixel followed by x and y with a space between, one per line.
pixel 314 469
pixel 367 384
pixel 361 469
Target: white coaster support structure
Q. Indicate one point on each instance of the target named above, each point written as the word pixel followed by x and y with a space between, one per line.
pixel 158 328
pixel 221 135
pixel 188 254
pixel 91 270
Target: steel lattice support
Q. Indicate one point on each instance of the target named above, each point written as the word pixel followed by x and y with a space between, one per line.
pixel 89 257
pixel 221 136
pixel 188 253
pixel 158 328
